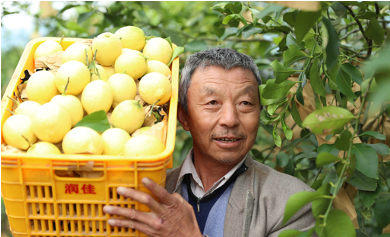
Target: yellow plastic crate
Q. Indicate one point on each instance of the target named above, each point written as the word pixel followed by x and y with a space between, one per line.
pixel 40 203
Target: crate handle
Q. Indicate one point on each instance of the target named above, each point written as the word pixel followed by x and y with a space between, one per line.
pixel 79 175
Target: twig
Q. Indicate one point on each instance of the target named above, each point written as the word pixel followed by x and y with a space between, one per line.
pixel 349 33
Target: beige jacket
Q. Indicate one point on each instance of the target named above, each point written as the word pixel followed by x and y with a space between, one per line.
pixel 257 201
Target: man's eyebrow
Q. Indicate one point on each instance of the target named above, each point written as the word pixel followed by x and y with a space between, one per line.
pixel 248 90
pixel 207 90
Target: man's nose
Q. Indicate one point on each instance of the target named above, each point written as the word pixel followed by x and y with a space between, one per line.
pixel 229 116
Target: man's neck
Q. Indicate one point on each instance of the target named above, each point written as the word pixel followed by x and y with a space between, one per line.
pixel 210 171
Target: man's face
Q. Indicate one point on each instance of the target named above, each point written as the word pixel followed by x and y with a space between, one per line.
pixel 223 113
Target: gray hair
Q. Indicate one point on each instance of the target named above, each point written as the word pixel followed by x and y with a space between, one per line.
pixel 222 57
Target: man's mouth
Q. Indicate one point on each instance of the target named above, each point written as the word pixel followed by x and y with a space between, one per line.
pixel 227 140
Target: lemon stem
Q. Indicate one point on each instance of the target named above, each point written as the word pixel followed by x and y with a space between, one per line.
pixel 151 110
pixel 17 102
pixel 66 87
pixel 86 57
pixel 63 36
pixel 11 111
pixel 25 138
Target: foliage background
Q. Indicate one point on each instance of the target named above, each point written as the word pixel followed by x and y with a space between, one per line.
pixel 261 30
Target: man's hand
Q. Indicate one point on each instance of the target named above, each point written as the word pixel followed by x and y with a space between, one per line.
pixel 172 216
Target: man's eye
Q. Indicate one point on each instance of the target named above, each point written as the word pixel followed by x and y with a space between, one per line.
pixel 245 103
pixel 213 102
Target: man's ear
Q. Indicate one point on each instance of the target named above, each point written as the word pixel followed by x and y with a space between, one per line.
pixel 182 117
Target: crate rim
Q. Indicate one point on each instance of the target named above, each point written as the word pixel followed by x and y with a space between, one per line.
pixel 171 130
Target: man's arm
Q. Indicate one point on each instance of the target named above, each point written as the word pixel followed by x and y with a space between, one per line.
pixel 172 216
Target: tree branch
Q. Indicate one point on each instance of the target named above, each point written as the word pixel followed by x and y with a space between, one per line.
pixel 357 21
pixel 349 33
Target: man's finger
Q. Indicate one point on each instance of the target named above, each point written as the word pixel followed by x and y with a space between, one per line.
pixel 160 192
pixel 143 198
pixel 131 224
pixel 128 213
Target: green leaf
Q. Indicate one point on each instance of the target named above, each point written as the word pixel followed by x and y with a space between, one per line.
pixel 338 223
pixel 343 81
pixel 332 47
pixel 362 182
pixel 273 107
pixel 251 30
pixel 290 40
pixel 384 235
pixel 281 72
pixel 287 131
pixel 290 168
pixel 329 118
pixel 84 16
pixel 282 159
pixel 176 52
pixel 381 96
pixel 292 55
pixel 235 7
pixel 66 8
pixel 196 45
pixel 98 121
pixel 305 20
pixel 295 113
pixel 169 41
pixel 270 9
pixel 297 201
pixel 71 25
pixel 264 101
pixel 290 17
pixel 277 91
pixel 368 197
pixel 374 31
pixel 319 206
pixel 276 137
pixel 266 119
pixel 366 159
pixel 353 72
pixel 325 158
pixel 382 210
pixel 380 148
pixel 315 80
pixel 374 134
pixel 343 141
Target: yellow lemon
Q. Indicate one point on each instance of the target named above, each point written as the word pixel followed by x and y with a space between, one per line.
pixel 41 87
pixel 102 72
pixel 133 63
pixel 96 96
pixel 16 126
pixel 110 70
pixel 78 75
pixel 128 115
pixel 82 140
pixel 47 48
pixel 143 145
pixel 51 122
pixel 73 105
pixel 108 47
pixel 76 52
pixel 155 87
pixel 123 87
pixel 114 140
pixel 126 50
pixel 28 108
pixel 43 148
pixel 157 66
pixel 158 49
pixel 131 37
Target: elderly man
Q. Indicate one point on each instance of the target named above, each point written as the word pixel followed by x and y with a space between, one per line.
pixel 219 190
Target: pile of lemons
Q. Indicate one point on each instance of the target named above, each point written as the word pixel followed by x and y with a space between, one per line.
pixel 106 75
